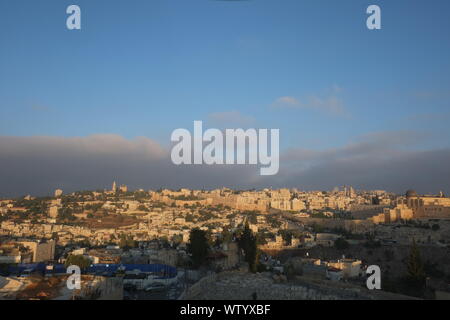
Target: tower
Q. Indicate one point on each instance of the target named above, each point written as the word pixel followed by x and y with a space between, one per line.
pixel 58 193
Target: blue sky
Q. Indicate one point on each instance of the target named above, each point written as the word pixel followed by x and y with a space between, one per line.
pixel 145 68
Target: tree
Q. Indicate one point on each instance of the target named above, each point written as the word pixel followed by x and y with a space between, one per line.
pixel 414 264
pixel 316 228
pixel 177 239
pixel 435 227
pixel 227 236
pixel 415 277
pixel 341 244
pixel 198 246
pixel 389 255
pixel 143 208
pixel 127 241
pixel 78 260
pixel 248 243
pixel 286 235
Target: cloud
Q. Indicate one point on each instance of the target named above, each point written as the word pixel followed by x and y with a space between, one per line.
pixel 388 160
pixel 38 165
pixel 230 119
pixel 329 103
pixel 377 146
pixel 425 171
pixel 94 145
pixel 287 101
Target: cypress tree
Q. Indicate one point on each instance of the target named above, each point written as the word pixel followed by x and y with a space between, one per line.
pixel 248 243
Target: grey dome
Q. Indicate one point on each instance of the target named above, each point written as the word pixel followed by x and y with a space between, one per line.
pixel 411 193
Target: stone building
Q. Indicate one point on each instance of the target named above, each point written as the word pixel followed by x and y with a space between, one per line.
pixel 400 212
pixel 42 250
pixel 426 207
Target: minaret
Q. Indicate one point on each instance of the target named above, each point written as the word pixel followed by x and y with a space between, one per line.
pixel 114 187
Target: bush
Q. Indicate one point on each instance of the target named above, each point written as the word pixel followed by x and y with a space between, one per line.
pixel 78 260
pixel 341 244
pixel 435 227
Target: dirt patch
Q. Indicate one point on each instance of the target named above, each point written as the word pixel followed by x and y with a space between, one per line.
pixel 42 288
pixel 110 222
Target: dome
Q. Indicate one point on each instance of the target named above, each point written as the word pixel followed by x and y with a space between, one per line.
pixel 411 193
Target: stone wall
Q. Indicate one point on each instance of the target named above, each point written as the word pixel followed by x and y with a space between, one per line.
pixel 243 286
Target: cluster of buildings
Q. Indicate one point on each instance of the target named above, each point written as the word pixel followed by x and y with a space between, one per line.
pixel 335 270
pixel 97 225
pixel 27 251
pixel 413 206
pixel 122 188
pixel 266 199
pixel 172 214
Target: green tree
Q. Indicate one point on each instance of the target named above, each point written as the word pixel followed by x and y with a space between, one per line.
pixel 316 228
pixel 78 260
pixel 415 277
pixel 248 243
pixel 143 208
pixel 227 236
pixel 341 244
pixel 198 247
pixel 55 236
pixel 127 241
pixel 414 264
pixel 286 235
pixel 177 239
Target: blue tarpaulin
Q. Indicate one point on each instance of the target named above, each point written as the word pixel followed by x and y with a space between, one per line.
pixel 106 269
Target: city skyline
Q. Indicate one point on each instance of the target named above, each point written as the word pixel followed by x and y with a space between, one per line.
pixel 262 238
pixel 125 189
pixel 207 152
pixel 354 106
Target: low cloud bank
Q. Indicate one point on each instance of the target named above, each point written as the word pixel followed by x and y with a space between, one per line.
pixel 38 165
